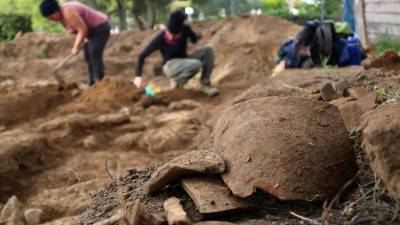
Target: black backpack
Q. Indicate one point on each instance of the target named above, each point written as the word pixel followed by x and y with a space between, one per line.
pixel 320 38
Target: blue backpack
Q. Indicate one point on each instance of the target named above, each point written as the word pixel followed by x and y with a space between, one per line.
pixel 288 53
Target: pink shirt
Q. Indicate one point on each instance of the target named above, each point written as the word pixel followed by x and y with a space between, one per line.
pixel 91 17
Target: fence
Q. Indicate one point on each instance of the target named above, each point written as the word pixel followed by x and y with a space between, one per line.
pixel 375 17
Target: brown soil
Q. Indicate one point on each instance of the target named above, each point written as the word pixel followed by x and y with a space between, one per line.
pixel 61 146
pixel 390 60
pixel 31 103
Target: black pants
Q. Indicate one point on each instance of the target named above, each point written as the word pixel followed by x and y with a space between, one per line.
pixel 94 50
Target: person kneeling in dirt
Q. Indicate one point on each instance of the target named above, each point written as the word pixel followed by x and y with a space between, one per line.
pixel 88 25
pixel 178 66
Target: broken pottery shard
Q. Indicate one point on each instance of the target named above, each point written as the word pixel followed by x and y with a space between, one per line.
pixel 328 92
pixel 137 215
pixel 211 195
pixel 195 162
pixel 11 214
pixel 32 216
pixel 292 147
pixel 175 213
pixel 380 133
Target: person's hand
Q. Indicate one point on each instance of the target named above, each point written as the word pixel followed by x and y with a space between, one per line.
pixel 193 47
pixel 137 81
pixel 75 51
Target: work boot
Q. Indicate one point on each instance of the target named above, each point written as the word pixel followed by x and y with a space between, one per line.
pixel 209 90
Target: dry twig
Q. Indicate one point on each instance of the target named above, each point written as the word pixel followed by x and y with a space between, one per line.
pixel 327 209
pixel 304 218
pixel 108 172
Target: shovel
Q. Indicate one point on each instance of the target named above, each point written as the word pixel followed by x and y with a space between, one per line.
pixel 56 75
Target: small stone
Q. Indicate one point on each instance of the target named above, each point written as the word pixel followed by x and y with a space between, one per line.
pixel 125 111
pixel 75 92
pixel 32 216
pixel 90 141
pixel 175 213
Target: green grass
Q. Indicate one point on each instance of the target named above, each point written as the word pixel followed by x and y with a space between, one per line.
pixel 383 95
pixel 385 43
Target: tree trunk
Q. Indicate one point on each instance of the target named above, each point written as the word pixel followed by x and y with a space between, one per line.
pixel 151 14
pixel 136 15
pixel 122 14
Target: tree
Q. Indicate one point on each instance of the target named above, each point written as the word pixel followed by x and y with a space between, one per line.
pixel 145 12
pixel 122 14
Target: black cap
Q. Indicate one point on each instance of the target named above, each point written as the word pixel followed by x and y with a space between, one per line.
pixel 48 7
pixel 176 21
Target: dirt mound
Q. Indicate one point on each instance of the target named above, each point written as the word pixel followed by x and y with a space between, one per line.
pixel 25 154
pixel 36 46
pixel 239 54
pixel 22 105
pixel 109 90
pixel 390 60
pixel 295 148
pixel 376 78
pixel 105 203
pixel 380 133
pixel 247 55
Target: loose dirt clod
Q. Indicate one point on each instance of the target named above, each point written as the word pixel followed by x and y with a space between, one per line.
pixel 105 203
pixel 328 92
pixel 195 162
pixel 211 195
pixel 175 213
pixel 292 147
pixel 359 92
pixel 380 131
pixel 390 60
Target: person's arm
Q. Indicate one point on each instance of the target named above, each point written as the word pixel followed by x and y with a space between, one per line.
pixel 154 45
pixel 73 18
pixel 192 35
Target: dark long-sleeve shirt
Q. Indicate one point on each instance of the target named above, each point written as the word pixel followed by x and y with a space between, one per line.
pixel 169 50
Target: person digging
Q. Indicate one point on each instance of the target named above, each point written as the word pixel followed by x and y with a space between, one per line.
pixel 92 29
pixel 179 66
